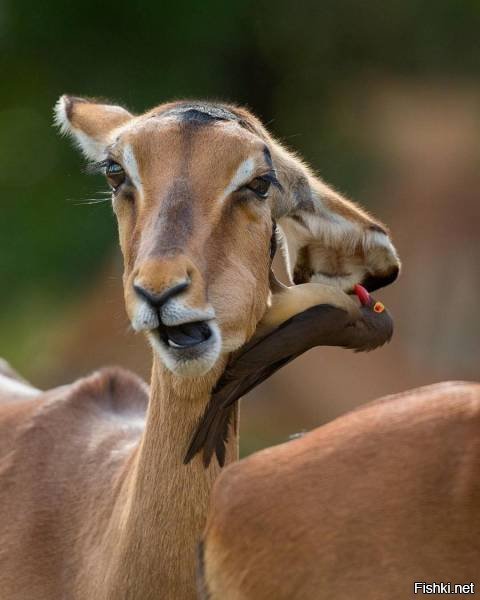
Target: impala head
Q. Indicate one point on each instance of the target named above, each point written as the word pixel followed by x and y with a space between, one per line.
pixel 196 189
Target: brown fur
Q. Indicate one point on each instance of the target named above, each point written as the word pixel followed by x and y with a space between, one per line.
pixel 94 503
pixel 363 507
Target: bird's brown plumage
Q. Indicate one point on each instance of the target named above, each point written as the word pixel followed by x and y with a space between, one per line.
pixel 256 361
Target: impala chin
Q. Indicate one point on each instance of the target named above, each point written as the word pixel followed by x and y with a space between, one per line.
pixel 188 350
pixel 187 340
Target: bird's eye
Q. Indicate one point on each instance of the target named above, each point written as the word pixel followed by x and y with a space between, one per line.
pixel 115 174
pixel 260 186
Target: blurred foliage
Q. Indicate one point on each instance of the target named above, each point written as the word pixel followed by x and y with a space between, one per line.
pixel 290 62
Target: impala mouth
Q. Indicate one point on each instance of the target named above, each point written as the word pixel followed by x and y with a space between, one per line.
pixel 188 349
pixel 186 335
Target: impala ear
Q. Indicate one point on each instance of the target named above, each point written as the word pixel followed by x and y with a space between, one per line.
pixel 327 238
pixel 89 123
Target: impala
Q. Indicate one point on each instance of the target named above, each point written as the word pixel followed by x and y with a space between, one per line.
pixel 95 498
pixel 375 505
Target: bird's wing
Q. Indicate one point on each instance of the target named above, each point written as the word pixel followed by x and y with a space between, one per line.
pixel 257 361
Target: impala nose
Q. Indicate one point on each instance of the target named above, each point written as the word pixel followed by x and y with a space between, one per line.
pixel 155 299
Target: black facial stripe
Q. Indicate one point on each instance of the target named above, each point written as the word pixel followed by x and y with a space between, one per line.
pixel 272 175
pixel 378 229
pixel 197 117
pixel 268 157
pixel 273 240
pixel 201 113
pixel 174 223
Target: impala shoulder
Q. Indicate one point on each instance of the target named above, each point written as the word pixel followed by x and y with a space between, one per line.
pixel 112 388
pixel 243 486
pixel 447 398
pixel 104 393
pixel 245 526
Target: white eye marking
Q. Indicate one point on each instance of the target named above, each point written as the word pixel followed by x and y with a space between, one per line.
pixel 242 176
pixel 131 166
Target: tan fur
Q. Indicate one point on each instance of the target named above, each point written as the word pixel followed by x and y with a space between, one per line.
pixel 95 501
pixel 343 241
pixel 363 507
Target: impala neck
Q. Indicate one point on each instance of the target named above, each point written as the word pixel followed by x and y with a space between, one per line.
pixel 165 508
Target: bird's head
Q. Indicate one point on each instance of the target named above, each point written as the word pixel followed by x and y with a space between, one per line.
pixel 375 326
pixel 299 318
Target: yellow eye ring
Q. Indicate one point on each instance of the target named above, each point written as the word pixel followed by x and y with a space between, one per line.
pixel 378 307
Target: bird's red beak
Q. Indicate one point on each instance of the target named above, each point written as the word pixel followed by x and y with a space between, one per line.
pixel 362 295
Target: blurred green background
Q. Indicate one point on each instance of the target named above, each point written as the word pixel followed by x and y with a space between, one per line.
pixel 383 99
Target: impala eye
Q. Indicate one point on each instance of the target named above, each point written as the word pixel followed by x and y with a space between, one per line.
pixel 260 186
pixel 114 174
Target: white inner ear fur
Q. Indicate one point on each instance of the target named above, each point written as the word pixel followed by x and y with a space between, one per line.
pixel 334 241
pixel 60 116
pixel 92 148
pixel 380 249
